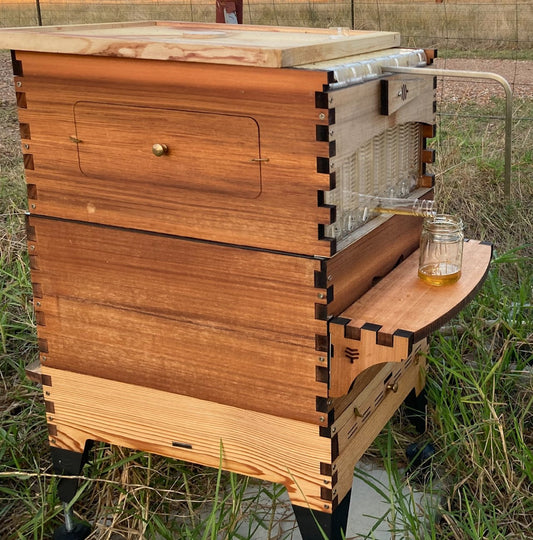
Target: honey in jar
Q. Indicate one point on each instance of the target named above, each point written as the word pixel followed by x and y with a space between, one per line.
pixel 441 250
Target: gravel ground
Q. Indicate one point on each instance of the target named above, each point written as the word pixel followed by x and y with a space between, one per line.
pixel 6 75
pixel 518 73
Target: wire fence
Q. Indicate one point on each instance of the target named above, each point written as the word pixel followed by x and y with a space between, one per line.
pixel 431 23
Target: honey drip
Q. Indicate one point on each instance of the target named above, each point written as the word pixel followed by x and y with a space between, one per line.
pixel 403 207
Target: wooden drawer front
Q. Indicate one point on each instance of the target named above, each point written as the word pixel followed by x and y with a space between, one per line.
pixel 205 152
pixel 234 326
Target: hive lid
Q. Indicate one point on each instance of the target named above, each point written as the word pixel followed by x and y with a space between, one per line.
pixel 262 46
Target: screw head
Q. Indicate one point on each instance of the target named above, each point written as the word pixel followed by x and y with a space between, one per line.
pixel 321 116
pixel 393 387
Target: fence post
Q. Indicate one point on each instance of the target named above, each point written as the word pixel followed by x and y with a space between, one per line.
pixel 39 18
pixel 229 11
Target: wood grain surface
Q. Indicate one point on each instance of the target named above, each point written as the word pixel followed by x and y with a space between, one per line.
pixel 260 46
pixel 268 114
pixel 235 326
pixel 275 449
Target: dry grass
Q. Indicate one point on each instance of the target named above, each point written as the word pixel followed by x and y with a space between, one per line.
pixel 469 171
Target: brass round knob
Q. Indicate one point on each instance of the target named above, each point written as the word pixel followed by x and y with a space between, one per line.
pixel 393 387
pixel 159 149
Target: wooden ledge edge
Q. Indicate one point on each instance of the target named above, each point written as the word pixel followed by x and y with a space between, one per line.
pixel 436 324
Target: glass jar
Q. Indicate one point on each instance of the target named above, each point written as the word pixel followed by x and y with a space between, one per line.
pixel 441 250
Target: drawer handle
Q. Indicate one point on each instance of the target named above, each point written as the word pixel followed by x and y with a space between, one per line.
pixel 159 149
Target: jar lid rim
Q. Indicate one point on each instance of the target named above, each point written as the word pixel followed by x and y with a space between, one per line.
pixel 444 219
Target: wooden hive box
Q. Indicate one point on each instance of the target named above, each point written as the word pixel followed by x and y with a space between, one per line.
pixel 190 289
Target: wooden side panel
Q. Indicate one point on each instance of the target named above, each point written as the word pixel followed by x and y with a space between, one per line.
pixel 275 449
pixel 359 425
pixel 235 326
pixel 279 104
pixel 350 357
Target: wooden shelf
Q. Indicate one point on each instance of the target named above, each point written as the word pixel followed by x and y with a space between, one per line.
pixel 400 310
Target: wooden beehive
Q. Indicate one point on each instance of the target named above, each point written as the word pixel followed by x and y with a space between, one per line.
pixel 182 243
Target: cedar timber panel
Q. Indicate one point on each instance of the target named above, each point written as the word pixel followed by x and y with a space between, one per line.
pixel 209 321
pixel 356 116
pixel 282 214
pixel 315 464
pixel 281 450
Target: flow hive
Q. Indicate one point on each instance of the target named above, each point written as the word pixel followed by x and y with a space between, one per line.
pixel 209 268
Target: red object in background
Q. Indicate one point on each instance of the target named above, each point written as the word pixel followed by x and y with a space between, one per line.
pixel 229 11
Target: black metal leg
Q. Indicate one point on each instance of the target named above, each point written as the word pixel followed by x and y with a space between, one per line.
pixel 416 410
pixel 315 525
pixel 69 463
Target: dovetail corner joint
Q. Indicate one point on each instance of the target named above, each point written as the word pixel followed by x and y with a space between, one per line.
pixel 349 357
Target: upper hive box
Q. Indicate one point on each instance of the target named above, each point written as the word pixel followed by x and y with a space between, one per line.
pixel 245 135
